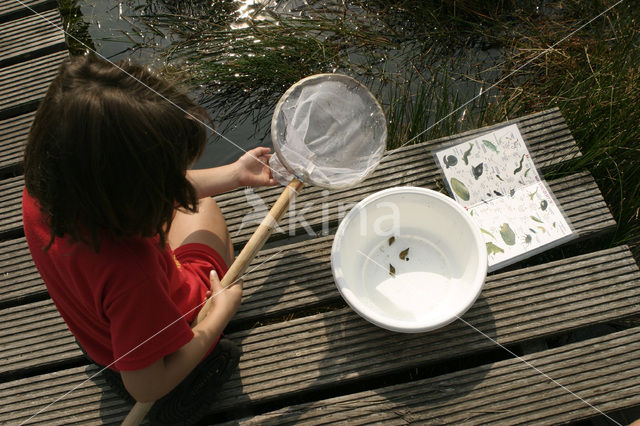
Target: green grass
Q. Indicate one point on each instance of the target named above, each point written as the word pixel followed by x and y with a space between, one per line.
pixel 242 72
pixel 77 29
pixel 594 78
pixel 424 60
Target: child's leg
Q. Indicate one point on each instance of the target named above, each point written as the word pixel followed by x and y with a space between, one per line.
pixel 207 226
pixel 189 401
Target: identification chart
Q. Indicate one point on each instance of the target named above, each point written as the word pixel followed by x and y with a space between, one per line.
pixel 494 178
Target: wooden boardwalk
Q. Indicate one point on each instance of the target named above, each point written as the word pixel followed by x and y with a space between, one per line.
pixel 307 358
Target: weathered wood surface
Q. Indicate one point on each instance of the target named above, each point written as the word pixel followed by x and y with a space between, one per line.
pixel 24 84
pixel 335 348
pixel 13 9
pixel 26 37
pixel 91 402
pixel 19 278
pixel 11 204
pixel 306 272
pixel 507 392
pixel 284 279
pixel 13 137
pixel 298 275
pixel 547 134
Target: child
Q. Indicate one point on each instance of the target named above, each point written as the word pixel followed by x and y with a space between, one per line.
pixel 122 234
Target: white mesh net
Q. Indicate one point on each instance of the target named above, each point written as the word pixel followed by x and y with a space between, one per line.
pixel 327 130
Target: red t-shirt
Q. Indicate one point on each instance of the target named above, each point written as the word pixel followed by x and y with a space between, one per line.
pixel 126 304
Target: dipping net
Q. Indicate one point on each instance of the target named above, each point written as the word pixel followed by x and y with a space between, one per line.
pixel 327 130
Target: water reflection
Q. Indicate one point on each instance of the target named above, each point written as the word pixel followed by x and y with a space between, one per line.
pixel 239 57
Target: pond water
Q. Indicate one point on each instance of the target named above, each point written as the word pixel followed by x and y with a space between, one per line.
pixel 451 80
pixel 113 34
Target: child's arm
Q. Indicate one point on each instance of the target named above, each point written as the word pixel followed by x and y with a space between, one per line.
pixel 252 169
pixel 153 382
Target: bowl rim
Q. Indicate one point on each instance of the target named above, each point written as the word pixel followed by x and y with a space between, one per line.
pixel 406 326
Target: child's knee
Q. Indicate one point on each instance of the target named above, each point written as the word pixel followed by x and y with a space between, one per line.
pixel 209 205
pixel 212 212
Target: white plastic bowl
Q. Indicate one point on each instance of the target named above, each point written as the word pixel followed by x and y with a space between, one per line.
pixel 442 272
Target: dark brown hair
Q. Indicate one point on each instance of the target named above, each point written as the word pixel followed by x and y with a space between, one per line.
pixel 108 152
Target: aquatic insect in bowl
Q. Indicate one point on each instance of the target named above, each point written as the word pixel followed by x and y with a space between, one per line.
pixel 423 276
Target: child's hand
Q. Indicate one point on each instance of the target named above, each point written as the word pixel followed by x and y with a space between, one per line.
pixel 225 302
pixel 253 168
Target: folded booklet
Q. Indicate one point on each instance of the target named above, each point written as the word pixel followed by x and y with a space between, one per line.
pixel 495 179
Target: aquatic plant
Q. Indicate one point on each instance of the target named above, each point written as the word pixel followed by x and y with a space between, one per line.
pixel 76 29
pixel 594 78
pixel 425 60
pixel 242 63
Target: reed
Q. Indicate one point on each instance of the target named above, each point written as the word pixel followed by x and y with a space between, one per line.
pixel 425 60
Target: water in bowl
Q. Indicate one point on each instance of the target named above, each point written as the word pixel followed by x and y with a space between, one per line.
pixel 406 276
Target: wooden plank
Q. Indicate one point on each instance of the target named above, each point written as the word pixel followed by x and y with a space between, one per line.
pixel 19 278
pixel 300 274
pixel 13 137
pixel 39 324
pixel 92 400
pixel 604 372
pixel 334 348
pixel 24 84
pixel 13 9
pixel 26 37
pixel 411 165
pixel 11 204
